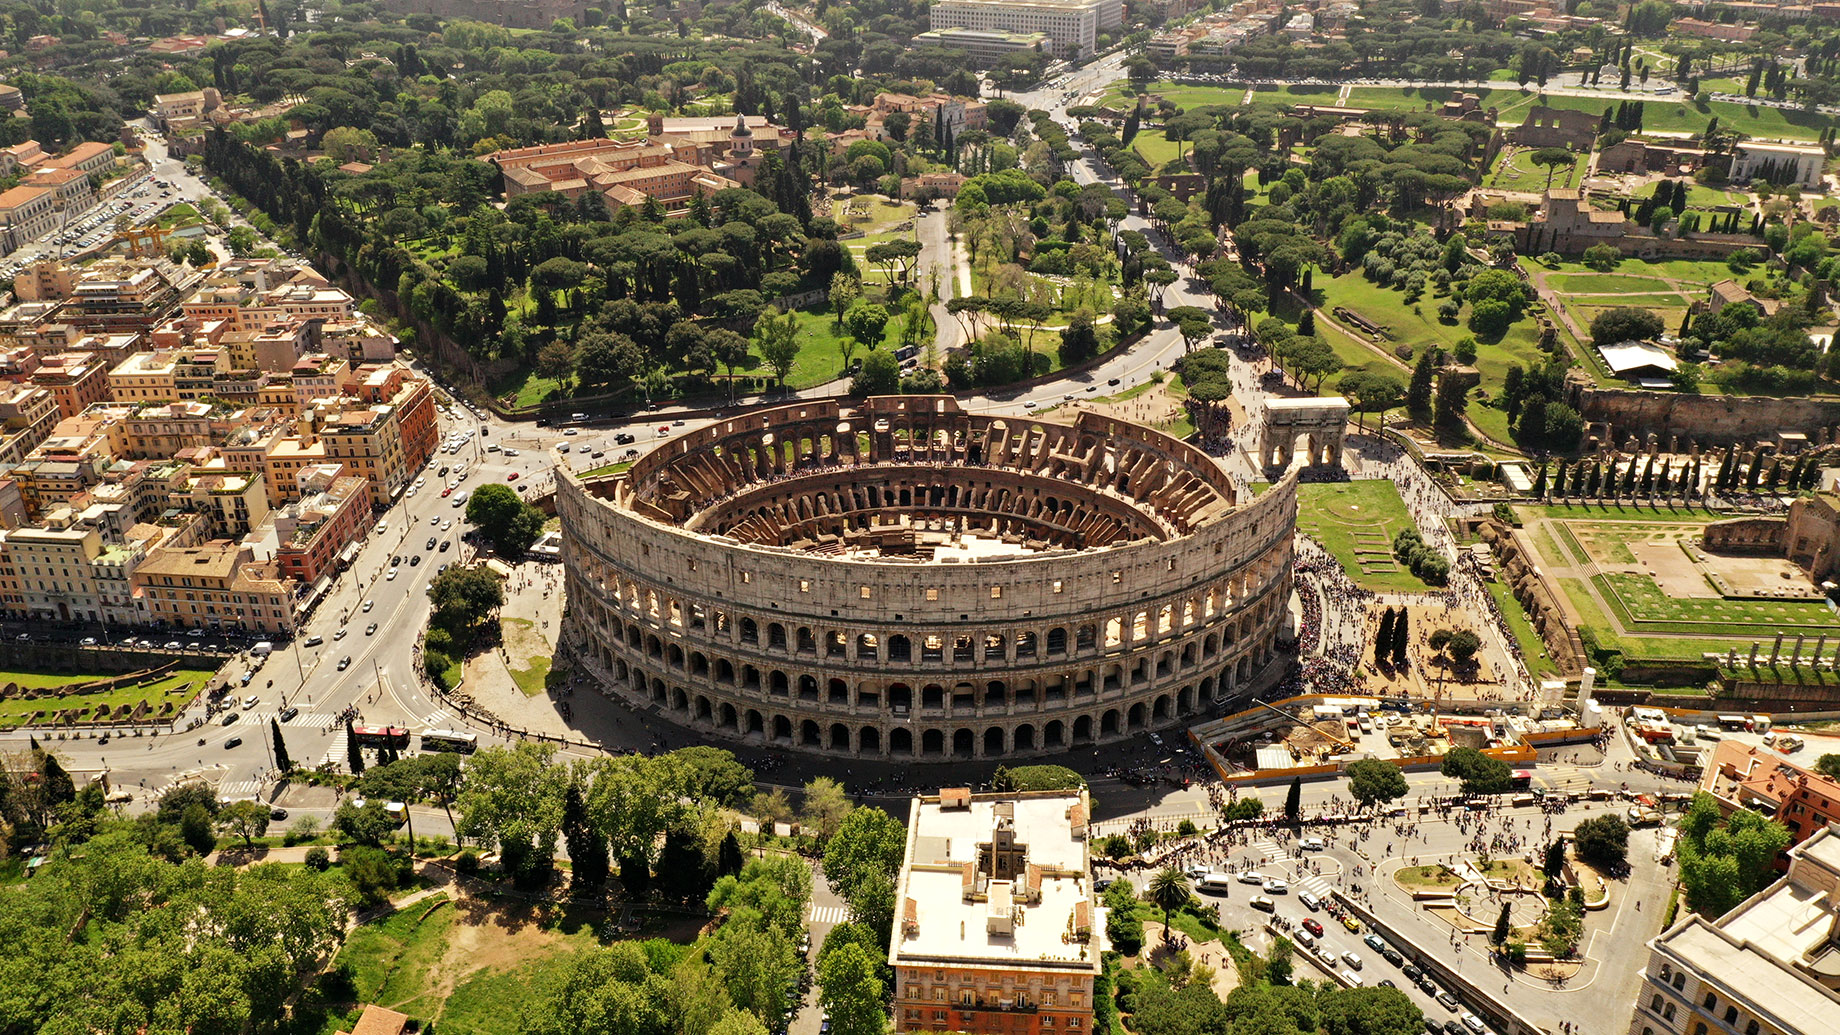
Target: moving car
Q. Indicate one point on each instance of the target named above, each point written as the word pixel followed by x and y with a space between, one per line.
pixel 1312 926
pixel 371 629
pixel 1276 887
pixel 1252 877
pixel 287 713
pixel 230 718
pixel 344 663
pixel 233 742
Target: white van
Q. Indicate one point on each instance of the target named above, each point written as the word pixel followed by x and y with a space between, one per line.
pixel 1351 979
pixel 262 649
pixel 1309 898
pixel 1214 884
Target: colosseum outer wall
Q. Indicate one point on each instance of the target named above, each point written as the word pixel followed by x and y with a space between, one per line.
pixel 890 656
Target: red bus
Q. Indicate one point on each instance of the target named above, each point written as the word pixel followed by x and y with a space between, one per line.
pixel 380 736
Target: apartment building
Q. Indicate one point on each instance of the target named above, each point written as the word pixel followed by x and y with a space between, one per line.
pixel 28 414
pixel 1072 26
pixel 1741 776
pixel 76 381
pixel 72 190
pixel 118 295
pixel 332 512
pixel 1771 966
pixel 89 157
pixel 997 928
pixel 234 504
pixel 74 568
pixel 217 584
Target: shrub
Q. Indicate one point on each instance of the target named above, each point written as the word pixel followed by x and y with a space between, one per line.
pixel 318 859
pixel 468 862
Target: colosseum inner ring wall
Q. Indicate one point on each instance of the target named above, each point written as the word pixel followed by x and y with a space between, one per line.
pixel 900 578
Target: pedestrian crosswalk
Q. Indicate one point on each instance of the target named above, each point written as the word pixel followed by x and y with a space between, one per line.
pixel 300 720
pixel 1274 852
pixel 235 789
pixel 828 914
pixel 441 720
pixel 336 752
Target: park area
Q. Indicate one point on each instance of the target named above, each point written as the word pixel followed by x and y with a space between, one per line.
pixel 48 698
pixel 1356 522
pixel 467 965
pixel 1650 588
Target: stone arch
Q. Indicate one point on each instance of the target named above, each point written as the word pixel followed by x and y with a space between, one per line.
pixel 1134 719
pixel 807 642
pixel 750 630
pixel 728 720
pixel 1054 734
pixel 900 648
pixel 1108 723
pixel 776 636
pixel 1083 730
pixel 782 728
pixel 777 683
pixel 900 741
pixel 900 697
pixel 680 701
pixel 838 691
pixel 840 737
pixel 1024 737
pixel 808 686
pixel 869 741
pixel 933 742
pixel 867 646
pixel 755 723
pixel 704 710
pixel 964 743
pixel 809 734
pixel 993 741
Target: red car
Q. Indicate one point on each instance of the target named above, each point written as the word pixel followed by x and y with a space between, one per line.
pixel 512 477
pixel 1312 926
pixel 447 492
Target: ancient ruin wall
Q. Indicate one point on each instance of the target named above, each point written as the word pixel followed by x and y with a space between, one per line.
pixel 884 655
pixel 1708 420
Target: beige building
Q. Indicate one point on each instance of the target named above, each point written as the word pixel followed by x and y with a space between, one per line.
pixel 215 585
pixel 26 214
pixel 1780 164
pixel 1769 967
pixel 997 929
pixel 68 570
pixel 1072 26
pixel 234 504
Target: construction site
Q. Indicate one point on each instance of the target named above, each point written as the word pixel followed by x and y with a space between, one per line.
pixel 1318 736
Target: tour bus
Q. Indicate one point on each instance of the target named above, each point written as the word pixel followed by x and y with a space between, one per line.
pixel 448 740
pixel 380 736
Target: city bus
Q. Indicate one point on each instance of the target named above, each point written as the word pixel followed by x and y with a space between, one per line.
pixel 380 736
pixel 448 740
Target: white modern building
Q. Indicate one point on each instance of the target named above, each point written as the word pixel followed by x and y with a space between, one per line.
pixel 1072 26
pixel 1780 164
pixel 1769 967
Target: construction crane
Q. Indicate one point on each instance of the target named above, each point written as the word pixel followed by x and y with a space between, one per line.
pixel 142 240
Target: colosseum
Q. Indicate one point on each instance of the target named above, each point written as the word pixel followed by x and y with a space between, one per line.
pixel 898 578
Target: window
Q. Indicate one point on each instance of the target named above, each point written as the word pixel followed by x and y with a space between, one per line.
pixel 747 577
pixel 996 592
pixel 1680 982
pixel 804 585
pixel 863 592
pixel 1057 585
pixel 932 594
pixel 1710 999
pixel 1117 577
pixel 1731 1015
pixel 1667 1012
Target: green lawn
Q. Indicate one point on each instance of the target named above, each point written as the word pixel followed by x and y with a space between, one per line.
pixel 1533 649
pixel 182 685
pixel 819 358
pixel 1388 307
pixel 1641 606
pixel 417 961
pixel 1514 170
pixel 1356 521
pixel 1605 283
pixel 526 387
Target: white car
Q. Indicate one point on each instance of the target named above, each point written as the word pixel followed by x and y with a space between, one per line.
pixel 1275 886
pixel 446 523
pixel 391 577
pixel 1352 959
pixel 368 604
pixel 1252 877
pixel 1197 872
pixel 1311 844
pixel 251 701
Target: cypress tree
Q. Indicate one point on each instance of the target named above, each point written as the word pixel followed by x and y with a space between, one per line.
pixel 354 754
pixel 1293 800
pixel 1418 393
pixel 588 858
pixel 1383 638
pixel 1399 638
pixel 1539 483
pixel 282 761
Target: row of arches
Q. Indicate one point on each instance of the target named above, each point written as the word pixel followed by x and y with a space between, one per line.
pixel 748 722
pixel 1020 689
pixel 1229 609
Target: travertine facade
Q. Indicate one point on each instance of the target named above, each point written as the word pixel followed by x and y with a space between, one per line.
pixel 902 578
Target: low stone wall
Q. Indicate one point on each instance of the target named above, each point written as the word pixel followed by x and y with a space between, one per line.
pixel 1748 535
pixel 1539 599
pixel 1707 420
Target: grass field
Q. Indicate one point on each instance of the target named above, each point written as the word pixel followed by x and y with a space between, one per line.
pixel 1533 649
pixel 465 967
pixel 1520 345
pixel 1620 512
pixel 1641 606
pixel 1514 170
pixel 1356 521
pixel 182 684
pixel 1602 283
pixel 819 358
